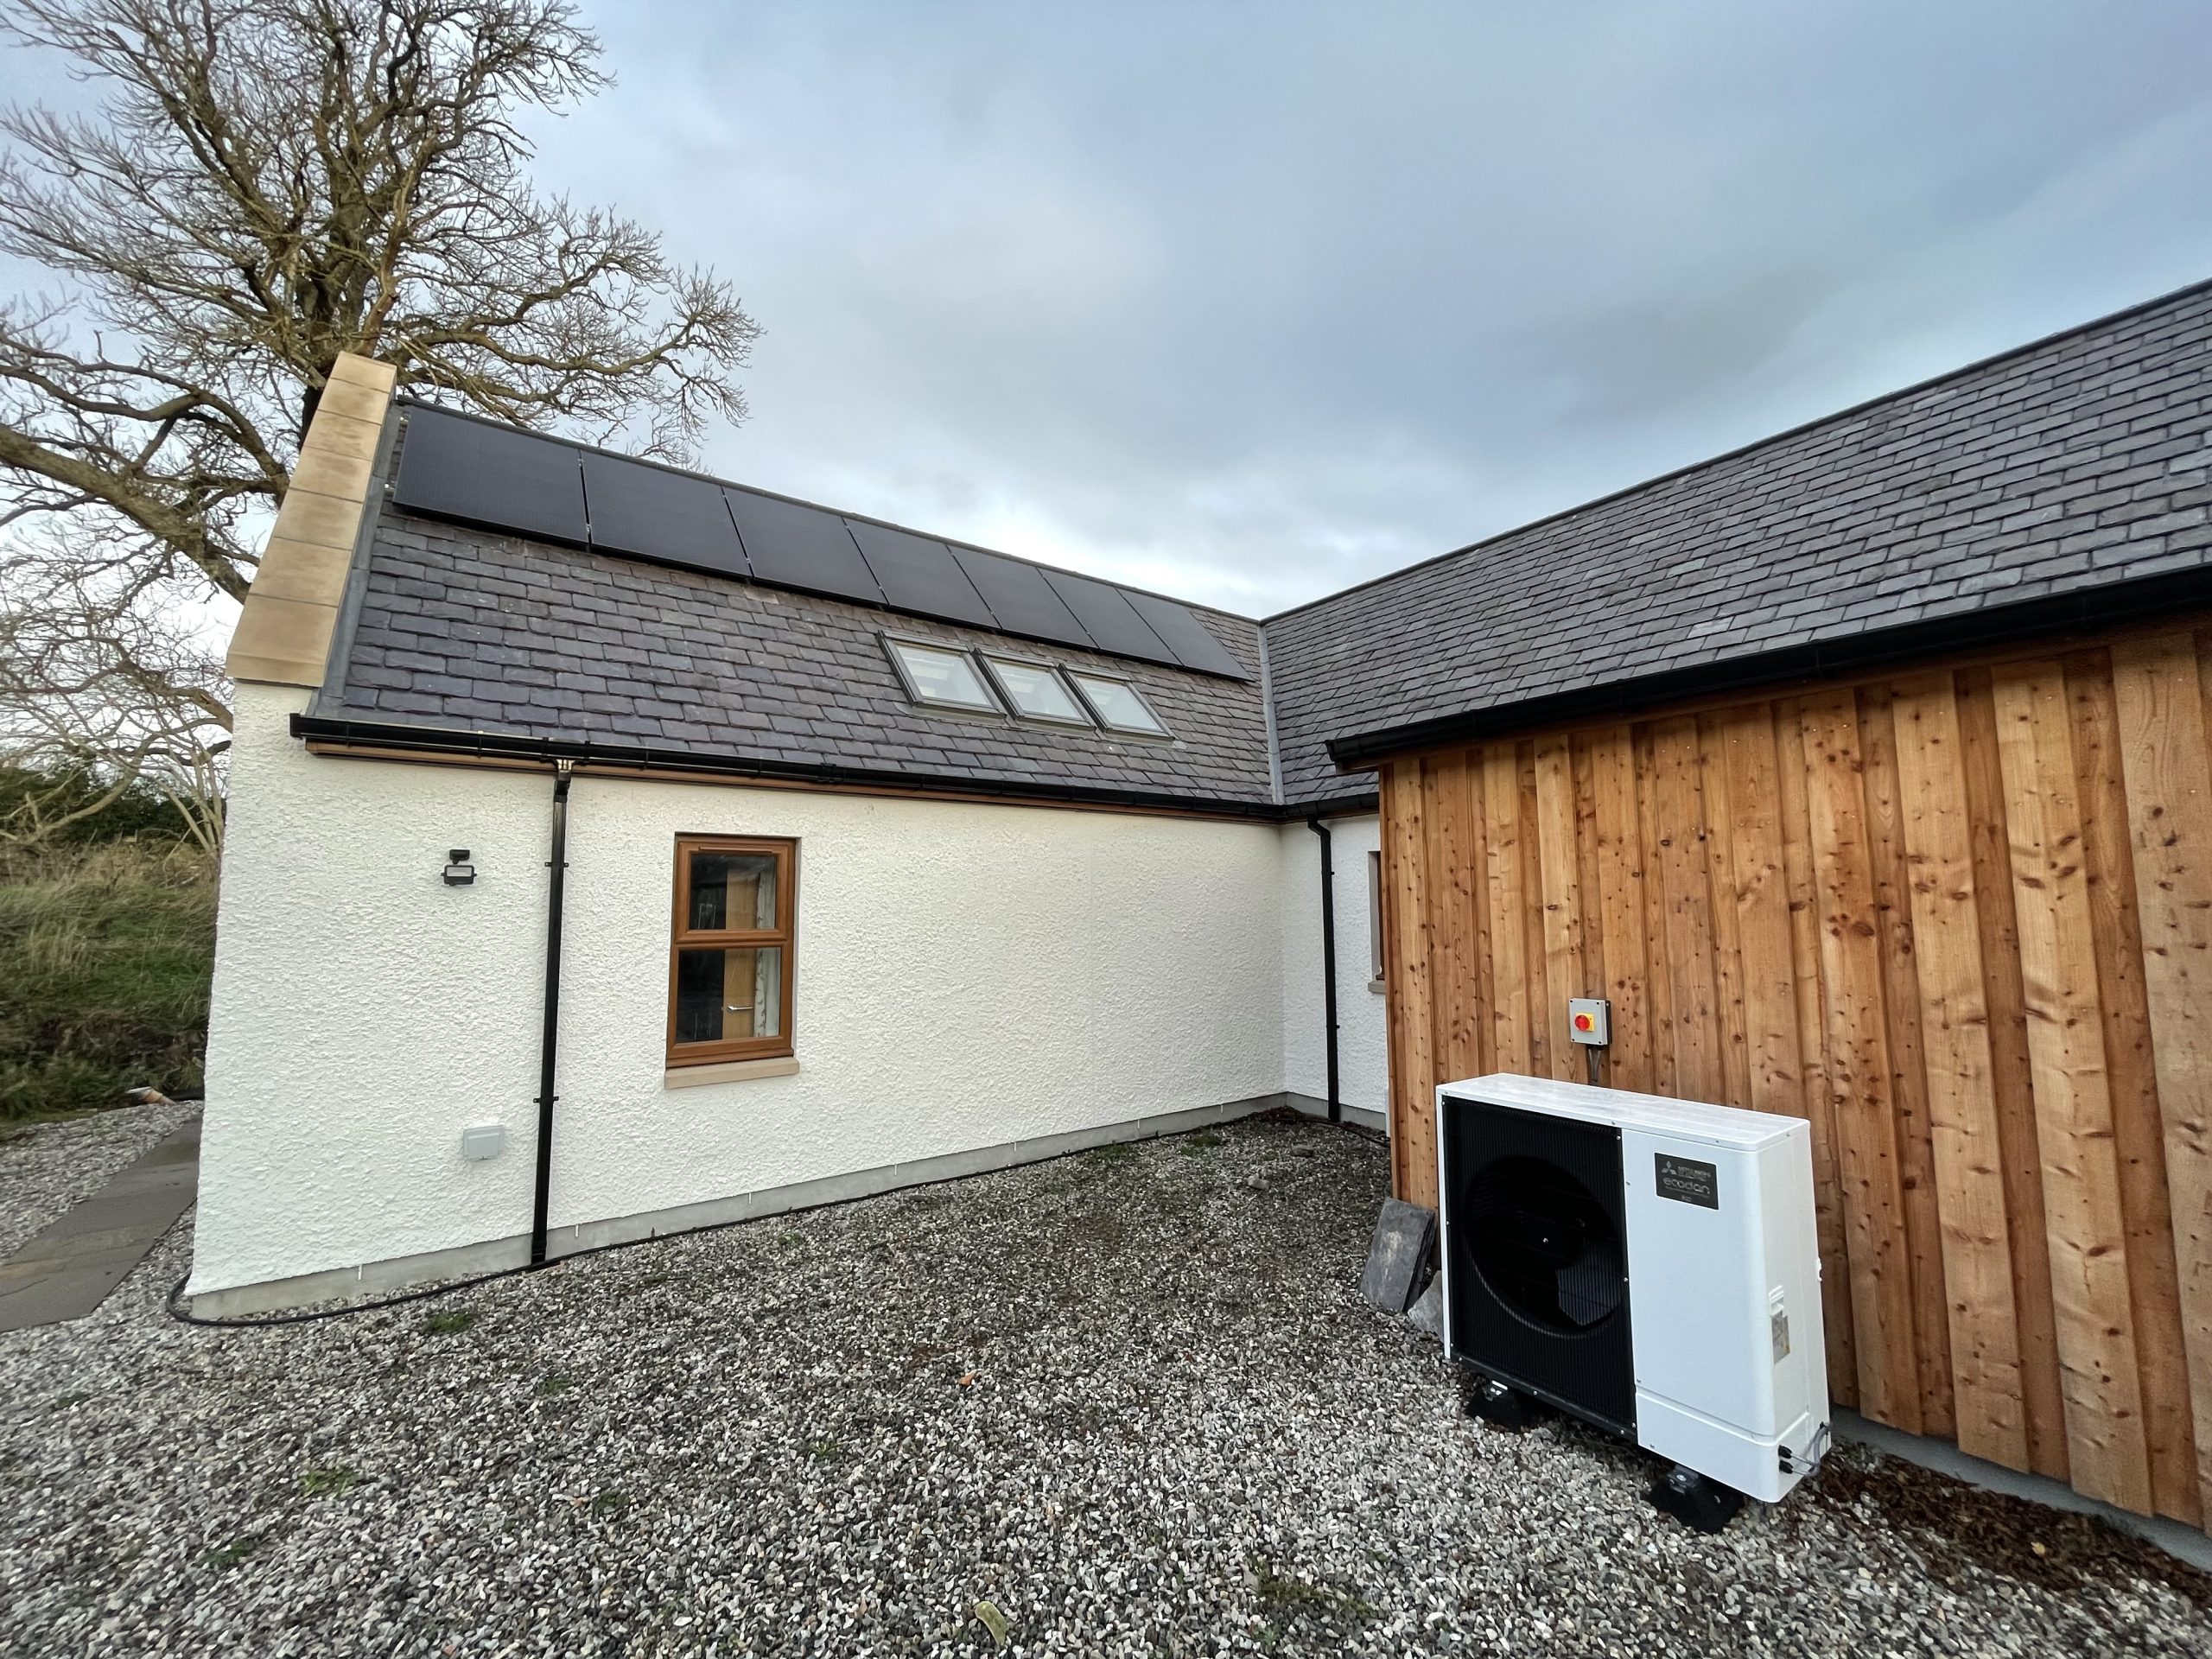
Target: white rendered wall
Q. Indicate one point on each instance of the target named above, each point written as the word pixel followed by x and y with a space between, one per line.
pixel 966 975
pixel 1363 1062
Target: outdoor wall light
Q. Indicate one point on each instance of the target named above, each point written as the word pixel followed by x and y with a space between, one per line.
pixel 460 873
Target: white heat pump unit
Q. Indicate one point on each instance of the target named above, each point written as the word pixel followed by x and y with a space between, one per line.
pixel 1648 1265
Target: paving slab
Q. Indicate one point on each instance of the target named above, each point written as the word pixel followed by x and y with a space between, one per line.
pixel 67 1271
pixel 1399 1258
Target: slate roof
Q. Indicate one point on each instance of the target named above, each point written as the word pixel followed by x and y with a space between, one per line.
pixel 464 630
pixel 2070 465
pixel 2069 468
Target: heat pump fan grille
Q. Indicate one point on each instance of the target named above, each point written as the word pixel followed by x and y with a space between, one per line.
pixel 1536 1256
pixel 1544 1244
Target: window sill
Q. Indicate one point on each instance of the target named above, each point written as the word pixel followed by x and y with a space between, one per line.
pixel 1376 986
pixel 687 1076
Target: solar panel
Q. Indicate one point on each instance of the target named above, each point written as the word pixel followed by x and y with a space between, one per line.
pixel 652 513
pixel 1192 642
pixel 919 575
pixel 455 468
pixel 801 547
pixel 1107 618
pixel 528 485
pixel 1020 598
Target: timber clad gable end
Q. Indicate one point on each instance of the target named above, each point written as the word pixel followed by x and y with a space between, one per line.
pixel 1958 920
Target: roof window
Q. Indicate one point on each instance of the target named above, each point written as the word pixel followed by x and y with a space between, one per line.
pixel 1117 704
pixel 938 676
pixel 1035 690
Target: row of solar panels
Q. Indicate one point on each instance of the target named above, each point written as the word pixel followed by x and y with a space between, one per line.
pixel 454 467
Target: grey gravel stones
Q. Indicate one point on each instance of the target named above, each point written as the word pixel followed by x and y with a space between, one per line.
pixel 1133 1404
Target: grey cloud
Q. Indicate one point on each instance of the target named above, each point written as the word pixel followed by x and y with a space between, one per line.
pixel 1251 300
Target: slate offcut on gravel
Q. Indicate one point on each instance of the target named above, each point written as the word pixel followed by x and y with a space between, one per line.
pixel 1126 1403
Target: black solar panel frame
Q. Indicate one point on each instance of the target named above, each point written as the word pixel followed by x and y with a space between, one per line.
pixel 773 530
pixel 1195 644
pixel 1020 598
pixel 644 512
pixel 918 574
pixel 478 473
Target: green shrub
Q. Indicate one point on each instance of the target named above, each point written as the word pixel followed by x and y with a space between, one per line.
pixel 140 813
pixel 106 951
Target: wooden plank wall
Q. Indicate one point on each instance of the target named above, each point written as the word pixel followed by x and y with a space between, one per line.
pixel 1960 921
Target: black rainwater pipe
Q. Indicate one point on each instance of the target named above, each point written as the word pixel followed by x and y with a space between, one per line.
pixel 549 1047
pixel 1329 959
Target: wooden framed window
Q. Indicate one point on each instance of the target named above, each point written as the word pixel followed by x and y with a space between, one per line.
pixel 729 957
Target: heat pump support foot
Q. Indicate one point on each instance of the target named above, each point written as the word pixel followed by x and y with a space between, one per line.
pixel 1495 1404
pixel 1695 1500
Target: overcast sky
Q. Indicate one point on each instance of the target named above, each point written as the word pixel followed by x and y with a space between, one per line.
pixel 1248 301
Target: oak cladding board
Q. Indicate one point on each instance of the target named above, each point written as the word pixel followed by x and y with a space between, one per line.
pixel 2160 686
pixel 2106 1447
pixel 1963 1110
pixel 1956 916
pixel 2139 1158
pixel 1859 1072
pixel 1907 1075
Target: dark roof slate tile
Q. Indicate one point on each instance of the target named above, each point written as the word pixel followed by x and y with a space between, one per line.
pixel 473 630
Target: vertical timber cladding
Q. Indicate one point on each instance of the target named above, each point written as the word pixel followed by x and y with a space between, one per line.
pixel 1960 921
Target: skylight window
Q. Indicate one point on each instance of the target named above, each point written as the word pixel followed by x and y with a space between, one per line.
pixel 938 676
pixel 1036 691
pixel 1117 705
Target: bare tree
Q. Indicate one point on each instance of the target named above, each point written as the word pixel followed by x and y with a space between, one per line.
pixel 131 697
pixel 264 185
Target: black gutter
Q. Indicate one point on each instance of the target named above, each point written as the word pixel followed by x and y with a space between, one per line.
pixel 549 1042
pixel 1329 959
pixel 2146 598
pixel 501 746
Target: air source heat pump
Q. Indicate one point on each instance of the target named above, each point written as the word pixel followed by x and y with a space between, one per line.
pixel 1648 1265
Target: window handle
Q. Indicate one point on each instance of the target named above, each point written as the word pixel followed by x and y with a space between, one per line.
pixel 737 1007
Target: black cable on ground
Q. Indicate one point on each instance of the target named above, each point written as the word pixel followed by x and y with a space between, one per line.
pixel 185 1316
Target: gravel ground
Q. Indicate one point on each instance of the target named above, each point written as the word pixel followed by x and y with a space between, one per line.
pixel 48 1167
pixel 1131 1401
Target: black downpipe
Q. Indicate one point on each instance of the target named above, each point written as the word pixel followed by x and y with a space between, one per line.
pixel 549 1048
pixel 1329 959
